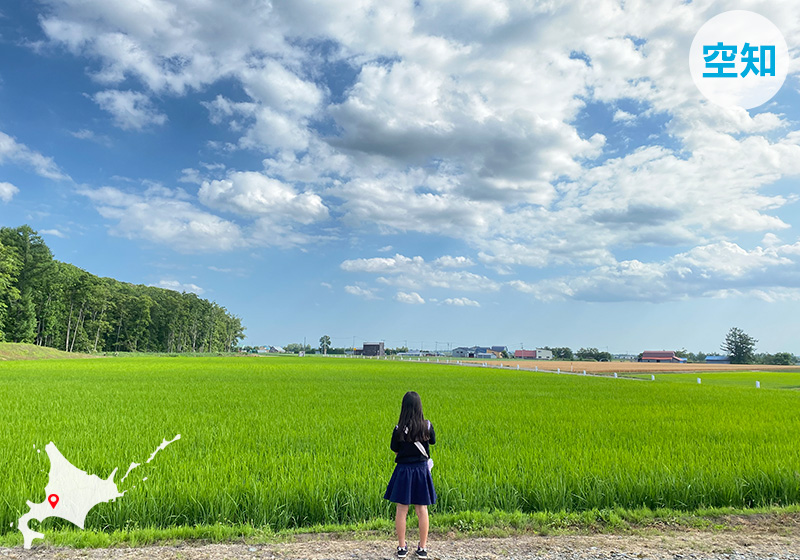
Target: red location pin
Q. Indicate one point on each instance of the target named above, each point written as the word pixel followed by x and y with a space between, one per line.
pixel 53 499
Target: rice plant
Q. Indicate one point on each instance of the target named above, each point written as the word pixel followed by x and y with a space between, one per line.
pixel 288 442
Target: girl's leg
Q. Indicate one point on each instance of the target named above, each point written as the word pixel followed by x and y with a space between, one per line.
pixel 422 514
pixel 400 524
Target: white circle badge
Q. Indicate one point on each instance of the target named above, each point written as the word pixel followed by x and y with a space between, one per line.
pixel 739 58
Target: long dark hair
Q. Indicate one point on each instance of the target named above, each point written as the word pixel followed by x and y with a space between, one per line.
pixel 411 417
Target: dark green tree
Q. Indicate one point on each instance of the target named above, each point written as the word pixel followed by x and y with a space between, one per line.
pixel 34 261
pixel 9 293
pixel 592 354
pixel 561 352
pixel 739 346
pixel 324 343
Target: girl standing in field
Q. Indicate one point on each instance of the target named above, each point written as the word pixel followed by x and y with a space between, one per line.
pixel 411 481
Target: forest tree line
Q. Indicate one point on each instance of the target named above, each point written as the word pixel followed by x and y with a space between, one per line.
pixel 50 303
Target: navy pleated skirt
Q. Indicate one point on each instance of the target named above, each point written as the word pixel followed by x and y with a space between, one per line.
pixel 411 483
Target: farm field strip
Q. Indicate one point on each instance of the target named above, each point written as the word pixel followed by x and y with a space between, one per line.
pixel 767 380
pixel 604 369
pixel 288 442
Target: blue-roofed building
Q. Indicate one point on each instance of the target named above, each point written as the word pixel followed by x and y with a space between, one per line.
pixel 718 359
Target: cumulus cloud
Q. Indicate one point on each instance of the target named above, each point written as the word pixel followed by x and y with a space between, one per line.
pixel 130 110
pixel 623 116
pixel 411 298
pixel 266 213
pixel 465 119
pixel 170 46
pixel 165 220
pixel 254 194
pixel 416 273
pixel 720 269
pixel 7 191
pixel 16 152
pixel 177 286
pixel 365 293
pixel 461 302
pixel 53 232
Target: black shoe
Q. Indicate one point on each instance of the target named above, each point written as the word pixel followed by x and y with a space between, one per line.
pixel 422 552
pixel 402 552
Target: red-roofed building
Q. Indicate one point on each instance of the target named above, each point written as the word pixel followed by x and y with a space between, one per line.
pixel 656 356
pixel 538 354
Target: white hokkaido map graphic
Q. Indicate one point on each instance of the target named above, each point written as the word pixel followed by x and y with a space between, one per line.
pixel 77 491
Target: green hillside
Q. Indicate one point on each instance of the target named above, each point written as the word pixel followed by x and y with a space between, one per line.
pixel 18 351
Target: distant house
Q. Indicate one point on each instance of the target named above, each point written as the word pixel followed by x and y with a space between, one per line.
pixel 276 350
pixel 474 351
pixel 625 357
pixel 538 354
pixel 718 359
pixel 661 356
pixel 486 355
pixel 499 349
pixel 464 352
pixel 373 349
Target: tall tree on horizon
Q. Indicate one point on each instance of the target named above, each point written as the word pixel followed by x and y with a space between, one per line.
pixel 739 346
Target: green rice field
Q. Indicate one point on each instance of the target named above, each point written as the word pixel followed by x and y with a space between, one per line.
pixel 767 379
pixel 289 442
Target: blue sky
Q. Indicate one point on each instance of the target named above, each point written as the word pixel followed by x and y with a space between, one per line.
pixel 437 173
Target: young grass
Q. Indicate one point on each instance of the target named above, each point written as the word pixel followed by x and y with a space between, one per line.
pixel 288 443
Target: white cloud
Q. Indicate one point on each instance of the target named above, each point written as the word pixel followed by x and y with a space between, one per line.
pixel 462 119
pixel 83 134
pixel 365 293
pixel 272 213
pixel 7 191
pixel 181 287
pixel 254 194
pixel 190 175
pixel 170 46
pixel 720 269
pixel 415 273
pixel 130 110
pixel 448 261
pixel 623 116
pixel 412 298
pixel 86 134
pixel 273 85
pixel 15 152
pixel 53 232
pixel 173 223
pixel 461 302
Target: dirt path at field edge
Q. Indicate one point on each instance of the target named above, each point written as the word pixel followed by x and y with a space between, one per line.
pixel 749 539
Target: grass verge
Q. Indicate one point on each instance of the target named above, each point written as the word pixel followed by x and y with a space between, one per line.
pixel 453 526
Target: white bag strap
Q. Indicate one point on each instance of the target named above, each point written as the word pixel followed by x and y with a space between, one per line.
pixel 422 447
